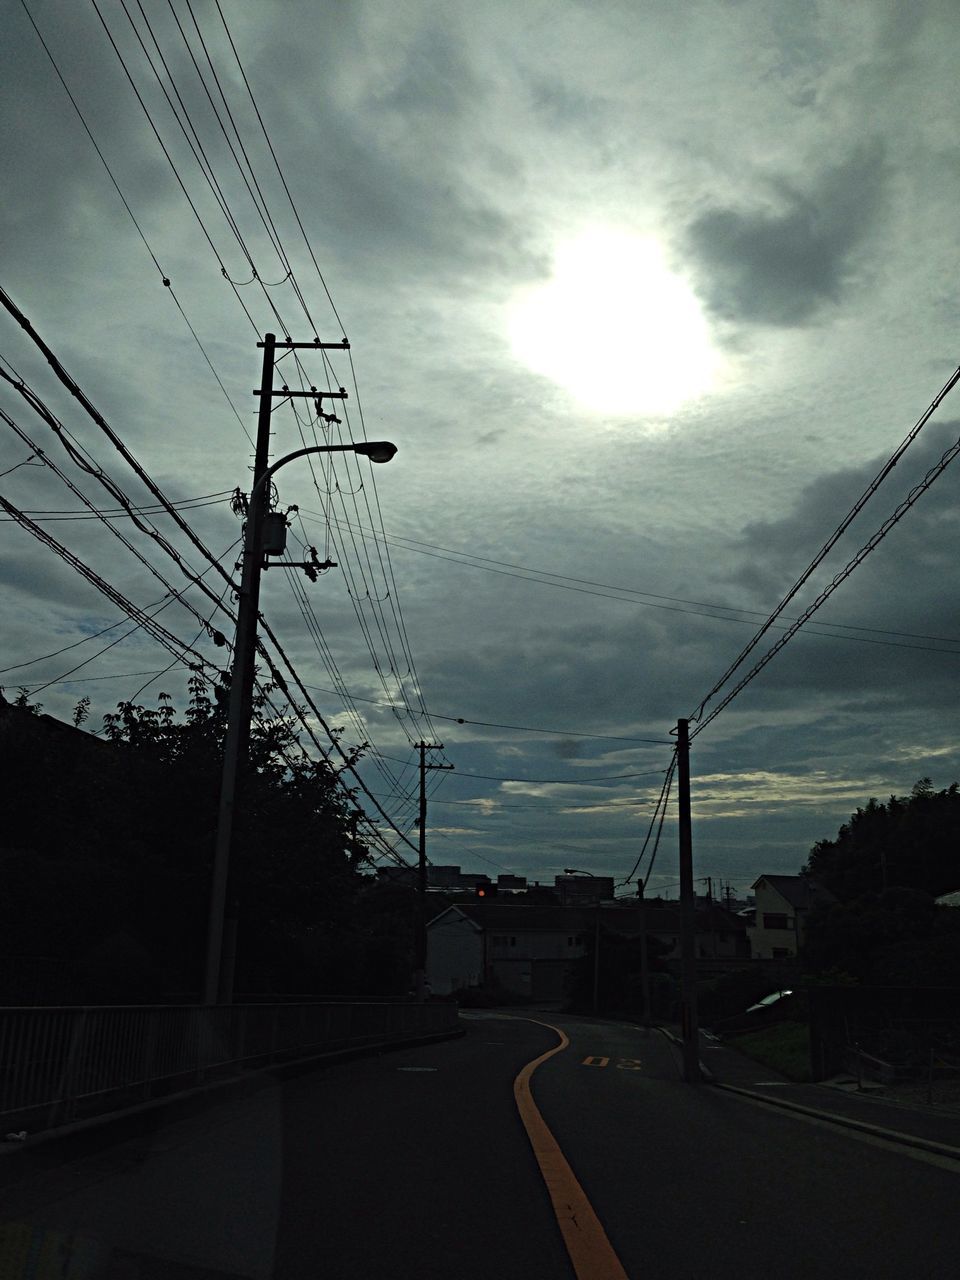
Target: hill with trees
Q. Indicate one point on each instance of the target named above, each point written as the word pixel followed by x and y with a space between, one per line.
pixel 886 866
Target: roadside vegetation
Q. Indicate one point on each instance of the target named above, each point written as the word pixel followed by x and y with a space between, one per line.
pixel 106 852
pixel 886 866
pixel 785 1047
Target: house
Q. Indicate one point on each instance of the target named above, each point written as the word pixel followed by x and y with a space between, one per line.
pixel 529 949
pixel 783 903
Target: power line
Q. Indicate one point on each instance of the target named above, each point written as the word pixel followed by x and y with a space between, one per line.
pixel 37 404
pixel 912 497
pixel 169 641
pixel 659 809
pixel 521 728
pixel 276 161
pixel 147 480
pixel 563 582
pixel 164 277
pixel 205 163
pixel 606 806
pixel 567 782
pixel 841 528
pixel 198 152
pixel 51 517
pixel 62 679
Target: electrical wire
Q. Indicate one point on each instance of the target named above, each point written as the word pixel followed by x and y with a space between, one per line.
pixel 187 128
pixel 167 153
pixel 163 275
pixel 52 517
pixel 92 412
pixel 565 782
pixel 659 808
pixel 817 560
pixel 912 497
pixel 566 583
pixel 34 401
pixel 169 641
pixel 521 728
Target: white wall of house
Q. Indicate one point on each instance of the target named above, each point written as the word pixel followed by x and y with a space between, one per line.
pixel 777 932
pixel 454 953
pixel 534 944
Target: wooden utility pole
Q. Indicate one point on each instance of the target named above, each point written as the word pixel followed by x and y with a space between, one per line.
pixel 222 925
pixel 223 912
pixel 420 960
pixel 644 958
pixel 688 915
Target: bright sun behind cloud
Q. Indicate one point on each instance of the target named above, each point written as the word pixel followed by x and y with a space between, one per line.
pixel 616 328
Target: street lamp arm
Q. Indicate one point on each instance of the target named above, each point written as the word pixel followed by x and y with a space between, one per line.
pixel 375 450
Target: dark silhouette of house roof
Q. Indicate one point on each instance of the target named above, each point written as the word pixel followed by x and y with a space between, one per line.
pixel 800 891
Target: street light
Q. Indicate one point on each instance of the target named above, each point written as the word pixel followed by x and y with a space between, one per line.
pixel 241 692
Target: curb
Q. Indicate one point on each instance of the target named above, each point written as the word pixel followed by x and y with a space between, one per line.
pixel 847 1122
pixel 830 1117
pixel 705 1072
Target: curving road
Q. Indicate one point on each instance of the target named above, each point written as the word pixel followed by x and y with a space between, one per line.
pixel 418 1163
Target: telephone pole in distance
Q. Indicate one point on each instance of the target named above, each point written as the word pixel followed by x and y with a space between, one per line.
pixel 688 917
pixel 420 961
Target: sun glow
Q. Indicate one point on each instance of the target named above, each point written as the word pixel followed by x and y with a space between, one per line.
pixel 616 328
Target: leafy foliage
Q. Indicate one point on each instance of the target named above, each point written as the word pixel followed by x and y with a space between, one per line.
pixel 886 866
pixel 912 841
pixel 107 851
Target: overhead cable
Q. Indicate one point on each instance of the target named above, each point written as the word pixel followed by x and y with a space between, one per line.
pixel 915 493
pixel 841 528
pixel 170 642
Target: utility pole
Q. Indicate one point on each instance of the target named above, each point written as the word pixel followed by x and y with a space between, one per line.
pixel 224 908
pixel 644 959
pixel 688 916
pixel 420 960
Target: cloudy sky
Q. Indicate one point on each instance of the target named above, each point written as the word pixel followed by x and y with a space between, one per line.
pixel 645 294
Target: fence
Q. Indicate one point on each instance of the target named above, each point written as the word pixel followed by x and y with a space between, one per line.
pixel 888 1033
pixel 58 1065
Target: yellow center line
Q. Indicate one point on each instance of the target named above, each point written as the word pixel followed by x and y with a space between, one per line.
pixel 590 1251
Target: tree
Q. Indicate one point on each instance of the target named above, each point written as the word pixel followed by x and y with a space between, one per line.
pixel 886 867
pixel 114 840
pixel 912 841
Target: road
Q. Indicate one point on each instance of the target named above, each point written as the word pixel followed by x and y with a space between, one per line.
pixel 418 1163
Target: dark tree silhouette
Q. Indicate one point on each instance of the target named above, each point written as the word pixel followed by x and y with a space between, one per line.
pixel 107 850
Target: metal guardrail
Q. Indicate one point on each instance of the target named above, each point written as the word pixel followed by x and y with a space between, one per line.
pixel 58 1065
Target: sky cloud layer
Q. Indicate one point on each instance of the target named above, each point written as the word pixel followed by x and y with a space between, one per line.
pixel 557 572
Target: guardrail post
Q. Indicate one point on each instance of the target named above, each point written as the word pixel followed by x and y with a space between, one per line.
pixel 148 1067
pixel 64 1107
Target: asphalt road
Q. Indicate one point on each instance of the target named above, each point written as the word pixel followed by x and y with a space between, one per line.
pixel 693 1183
pixel 417 1164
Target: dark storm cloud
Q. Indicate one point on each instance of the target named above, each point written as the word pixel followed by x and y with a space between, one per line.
pixel 907 662
pixel 399 173
pixel 69 194
pixel 918 551
pixel 780 268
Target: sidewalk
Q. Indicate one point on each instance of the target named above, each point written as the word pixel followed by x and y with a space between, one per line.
pixel 934 1128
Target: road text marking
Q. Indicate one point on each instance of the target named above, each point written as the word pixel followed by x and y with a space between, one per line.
pixel 621 1064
